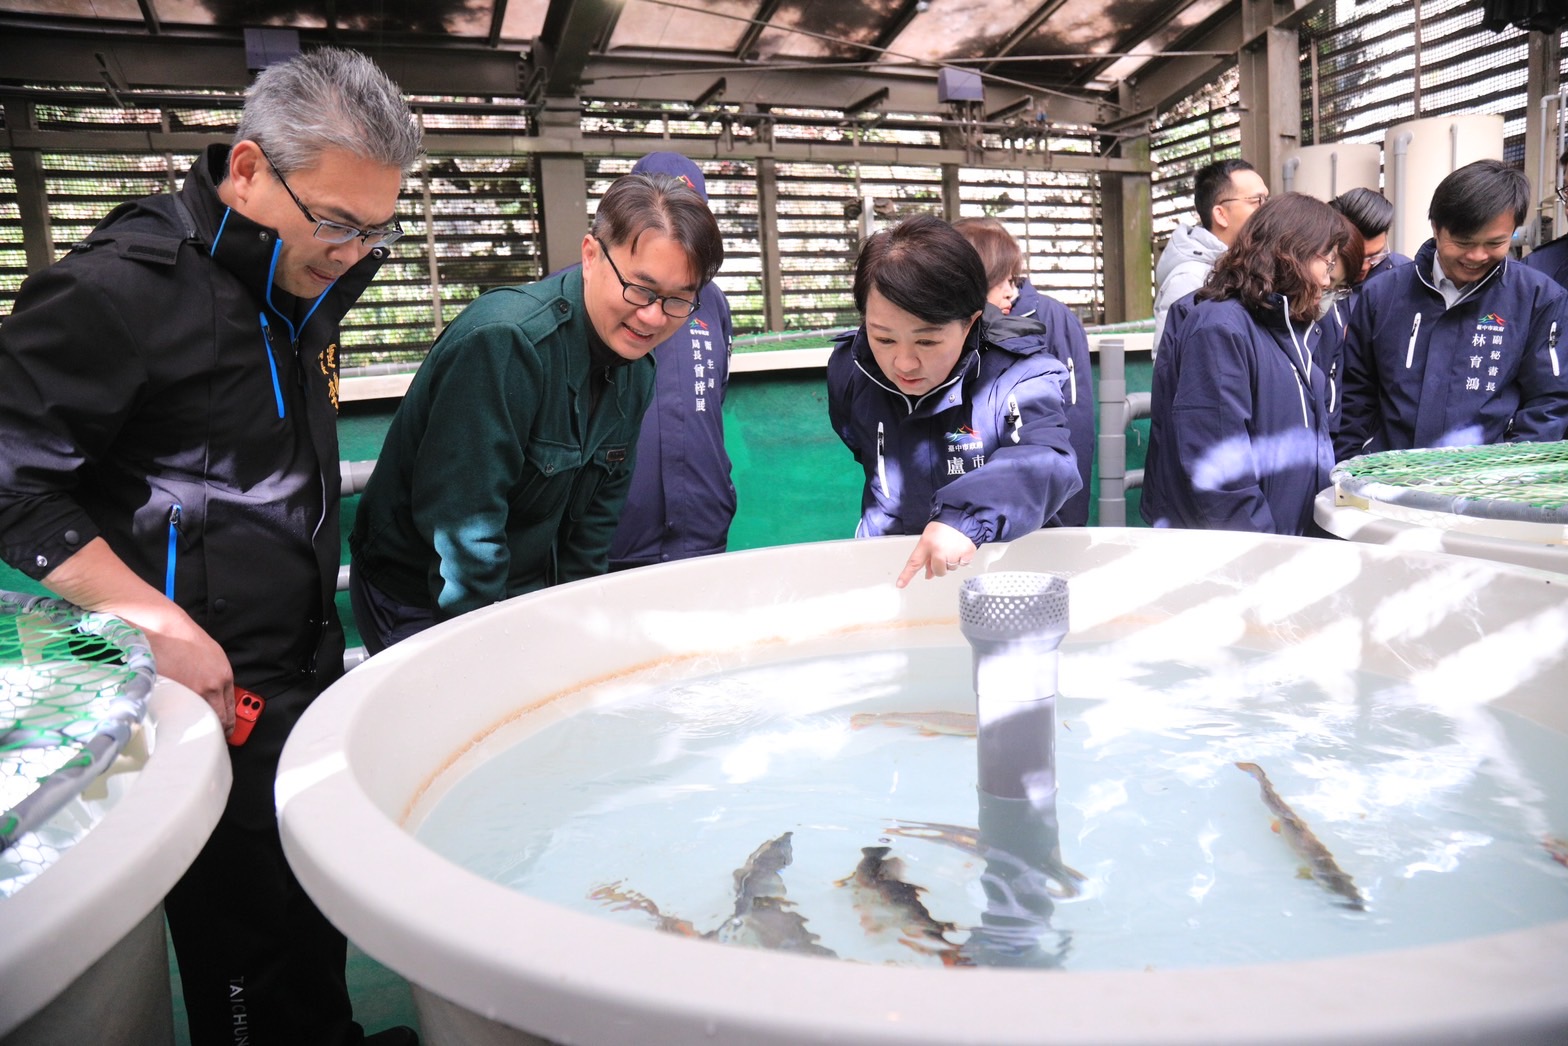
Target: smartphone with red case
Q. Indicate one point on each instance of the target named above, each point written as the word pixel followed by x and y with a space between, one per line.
pixel 247 709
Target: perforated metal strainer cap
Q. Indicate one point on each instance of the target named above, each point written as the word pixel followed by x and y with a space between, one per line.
pixel 1013 604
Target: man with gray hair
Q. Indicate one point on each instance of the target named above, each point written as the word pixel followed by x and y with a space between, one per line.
pixel 169 454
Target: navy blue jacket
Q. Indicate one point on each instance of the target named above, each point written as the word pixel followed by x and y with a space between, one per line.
pixel 987 452
pixel 1551 259
pixel 1239 423
pixel 1488 370
pixel 1065 339
pixel 682 500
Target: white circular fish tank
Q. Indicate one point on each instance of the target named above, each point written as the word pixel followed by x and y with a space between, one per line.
pixel 734 800
pixel 83 957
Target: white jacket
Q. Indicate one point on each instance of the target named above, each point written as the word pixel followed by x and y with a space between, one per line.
pixel 1182 268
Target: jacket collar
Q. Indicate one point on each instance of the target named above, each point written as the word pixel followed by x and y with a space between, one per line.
pixel 249 250
pixel 1426 258
pixel 947 394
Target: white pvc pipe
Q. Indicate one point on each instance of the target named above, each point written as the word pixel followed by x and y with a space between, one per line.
pixel 1401 151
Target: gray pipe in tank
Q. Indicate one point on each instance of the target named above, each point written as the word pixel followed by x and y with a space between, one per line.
pixel 1015 621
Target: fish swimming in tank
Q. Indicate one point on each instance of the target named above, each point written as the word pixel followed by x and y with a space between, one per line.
pixel 1321 865
pixel 929 724
pixel 764 916
pixel 888 904
pixel 1063 880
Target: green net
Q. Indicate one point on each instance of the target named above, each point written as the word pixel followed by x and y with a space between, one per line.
pixel 1526 482
pixel 73 685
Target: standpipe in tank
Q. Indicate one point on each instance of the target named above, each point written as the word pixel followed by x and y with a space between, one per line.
pixel 1015 623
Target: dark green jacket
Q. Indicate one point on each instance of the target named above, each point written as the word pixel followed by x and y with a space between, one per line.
pixel 494 479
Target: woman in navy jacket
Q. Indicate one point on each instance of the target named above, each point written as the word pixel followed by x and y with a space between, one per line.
pixel 1239 421
pixel 962 440
pixel 1063 337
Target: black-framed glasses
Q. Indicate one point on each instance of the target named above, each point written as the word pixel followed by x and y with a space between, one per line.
pixel 1562 194
pixel 1256 199
pixel 336 232
pixel 642 297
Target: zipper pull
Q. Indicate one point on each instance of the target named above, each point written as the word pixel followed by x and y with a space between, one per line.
pixel 1015 417
pixel 881 461
pixel 1551 346
pixel 1410 350
pixel 1072 378
pixel 272 364
pixel 173 552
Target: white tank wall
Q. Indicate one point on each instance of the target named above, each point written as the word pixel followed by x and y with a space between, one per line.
pixel 82 955
pixel 1326 171
pixel 1420 153
pixel 380 745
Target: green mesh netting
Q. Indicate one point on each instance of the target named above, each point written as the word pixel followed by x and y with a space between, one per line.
pixel 1524 482
pixel 73 685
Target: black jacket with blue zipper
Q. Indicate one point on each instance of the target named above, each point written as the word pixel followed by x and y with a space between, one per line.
pixel 158 390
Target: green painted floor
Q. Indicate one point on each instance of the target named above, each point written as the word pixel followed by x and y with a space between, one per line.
pixel 795 483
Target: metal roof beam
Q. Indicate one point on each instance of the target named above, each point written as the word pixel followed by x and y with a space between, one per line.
pixel 167 62
pixel 150 17
pixel 1024 30
pixel 827 85
pixel 572 30
pixel 759 23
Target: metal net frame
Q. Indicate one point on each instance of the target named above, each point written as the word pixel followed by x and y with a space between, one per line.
pixel 1522 482
pixel 73 687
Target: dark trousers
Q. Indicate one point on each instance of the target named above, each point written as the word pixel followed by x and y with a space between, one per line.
pixel 259 964
pixel 382 620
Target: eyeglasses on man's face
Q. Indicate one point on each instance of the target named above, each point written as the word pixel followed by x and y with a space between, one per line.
pixel 1256 199
pixel 642 297
pixel 336 232
pixel 1562 194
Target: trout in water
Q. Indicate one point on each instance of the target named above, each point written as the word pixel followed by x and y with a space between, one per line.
pixel 1063 878
pixel 886 902
pixel 1320 863
pixel 930 724
pixel 764 917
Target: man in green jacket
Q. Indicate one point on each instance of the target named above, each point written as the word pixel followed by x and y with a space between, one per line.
pixel 508 461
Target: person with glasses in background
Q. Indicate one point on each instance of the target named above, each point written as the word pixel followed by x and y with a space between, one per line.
pixel 682 501
pixel 169 454
pixel 1372 215
pixel 1552 258
pixel 1465 346
pixel 1239 425
pixel 1225 194
pixel 506 466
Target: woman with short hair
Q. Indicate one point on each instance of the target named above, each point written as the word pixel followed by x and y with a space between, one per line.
pixel 1240 434
pixel 1060 332
pixel 961 438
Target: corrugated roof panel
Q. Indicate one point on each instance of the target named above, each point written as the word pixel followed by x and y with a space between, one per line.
pixel 949 29
pixel 116 9
pixel 825 28
pixel 645 25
